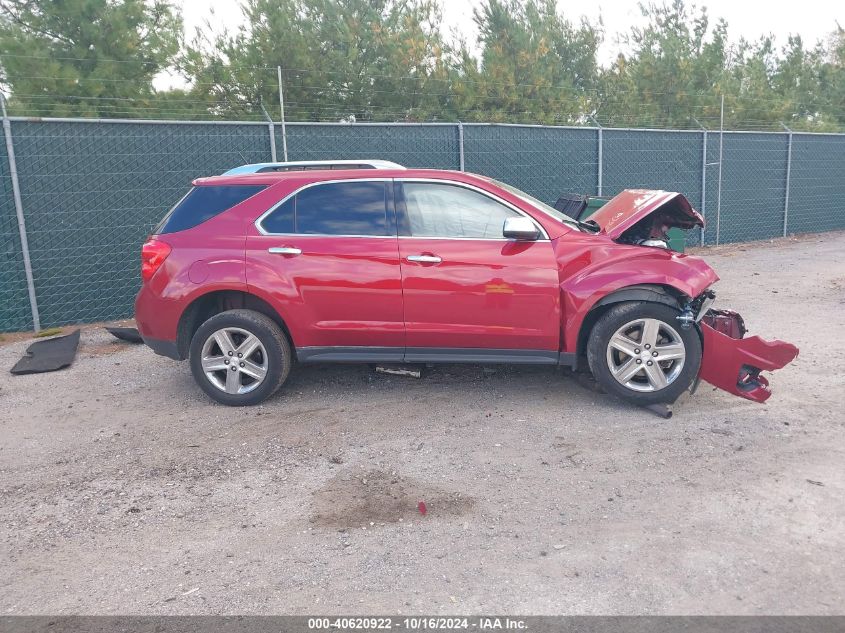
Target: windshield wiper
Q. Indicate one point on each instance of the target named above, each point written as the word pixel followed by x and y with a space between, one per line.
pixel 590 225
pixel 587 226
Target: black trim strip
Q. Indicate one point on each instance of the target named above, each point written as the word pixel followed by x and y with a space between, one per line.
pixel 164 348
pixel 479 355
pixel 349 354
pixel 363 354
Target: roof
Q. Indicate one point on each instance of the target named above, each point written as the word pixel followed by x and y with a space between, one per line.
pixel 315 175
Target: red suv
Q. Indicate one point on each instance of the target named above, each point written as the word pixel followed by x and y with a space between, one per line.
pixel 250 273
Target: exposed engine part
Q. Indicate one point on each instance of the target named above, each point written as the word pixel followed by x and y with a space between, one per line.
pixel 693 311
pixel 702 303
pixel 654 242
pixel 650 231
pixel 635 236
pixel 686 318
pixel 726 322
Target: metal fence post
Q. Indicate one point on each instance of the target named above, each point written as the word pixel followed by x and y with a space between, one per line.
pixel 282 109
pixel 703 177
pixel 16 194
pixel 703 181
pixel 272 129
pixel 719 190
pixel 600 167
pixel 788 177
pixel 461 145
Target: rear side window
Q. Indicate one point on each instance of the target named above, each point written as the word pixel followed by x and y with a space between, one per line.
pixel 344 208
pixel 281 219
pixel 203 203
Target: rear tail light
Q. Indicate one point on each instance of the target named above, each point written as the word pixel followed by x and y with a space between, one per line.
pixel 153 254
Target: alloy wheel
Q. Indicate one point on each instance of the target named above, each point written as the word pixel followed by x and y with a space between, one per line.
pixel 234 360
pixel 646 355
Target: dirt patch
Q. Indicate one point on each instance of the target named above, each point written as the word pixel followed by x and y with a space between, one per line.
pixel 361 498
pixel 106 348
pixel 10 338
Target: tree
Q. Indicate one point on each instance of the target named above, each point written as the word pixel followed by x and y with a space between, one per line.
pixel 794 84
pixel 831 80
pixel 673 74
pixel 678 69
pixel 535 65
pixel 85 57
pixel 342 59
pixel 388 60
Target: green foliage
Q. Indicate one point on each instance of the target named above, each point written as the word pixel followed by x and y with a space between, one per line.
pixel 85 57
pixel 673 73
pixel 52 331
pixel 354 60
pixel 389 60
pixel 535 65
pixel 679 68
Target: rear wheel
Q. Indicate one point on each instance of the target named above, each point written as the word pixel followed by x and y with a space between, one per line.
pixel 639 352
pixel 240 357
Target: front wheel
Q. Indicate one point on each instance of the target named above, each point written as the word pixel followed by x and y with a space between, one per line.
pixel 240 357
pixel 639 352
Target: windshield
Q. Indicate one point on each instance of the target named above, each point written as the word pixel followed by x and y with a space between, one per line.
pixel 539 204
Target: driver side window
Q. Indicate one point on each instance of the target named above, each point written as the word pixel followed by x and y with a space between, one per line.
pixel 444 210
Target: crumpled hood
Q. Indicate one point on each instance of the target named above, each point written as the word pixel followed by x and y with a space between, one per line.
pixel 669 208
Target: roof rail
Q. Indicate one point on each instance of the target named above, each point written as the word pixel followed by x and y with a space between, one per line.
pixel 305 165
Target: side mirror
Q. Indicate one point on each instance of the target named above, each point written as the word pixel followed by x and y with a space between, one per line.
pixel 520 229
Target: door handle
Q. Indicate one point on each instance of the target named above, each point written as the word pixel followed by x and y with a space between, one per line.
pixel 284 250
pixel 424 259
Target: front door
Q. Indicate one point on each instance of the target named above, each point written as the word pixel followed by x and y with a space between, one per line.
pixel 329 257
pixel 469 293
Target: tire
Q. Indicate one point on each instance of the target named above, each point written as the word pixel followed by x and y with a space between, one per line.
pixel 260 371
pixel 618 356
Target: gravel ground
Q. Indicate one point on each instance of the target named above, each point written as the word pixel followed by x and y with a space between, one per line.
pixel 124 490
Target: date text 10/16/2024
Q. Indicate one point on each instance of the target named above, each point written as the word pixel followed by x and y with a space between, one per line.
pixel 417 623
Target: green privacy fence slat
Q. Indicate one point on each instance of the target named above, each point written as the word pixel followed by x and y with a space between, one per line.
pixel 15 313
pixel 544 162
pixel 753 186
pixel 644 159
pixel 817 184
pixel 92 191
pixel 422 146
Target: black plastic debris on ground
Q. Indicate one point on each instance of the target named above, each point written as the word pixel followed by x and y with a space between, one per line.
pixel 128 334
pixel 50 355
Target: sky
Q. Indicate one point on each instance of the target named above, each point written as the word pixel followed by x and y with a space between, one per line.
pixel 746 18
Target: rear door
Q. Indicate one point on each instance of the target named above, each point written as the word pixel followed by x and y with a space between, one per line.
pixel 471 294
pixel 328 257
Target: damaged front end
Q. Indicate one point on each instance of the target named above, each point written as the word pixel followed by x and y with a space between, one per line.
pixel 732 362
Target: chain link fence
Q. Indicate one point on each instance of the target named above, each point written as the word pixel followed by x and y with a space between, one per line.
pixel 90 191
pixel 543 161
pixel 434 146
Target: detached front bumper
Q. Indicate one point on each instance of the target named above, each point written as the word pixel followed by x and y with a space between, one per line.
pixel 733 363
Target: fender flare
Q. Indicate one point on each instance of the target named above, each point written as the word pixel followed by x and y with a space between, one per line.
pixel 190 319
pixel 654 293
